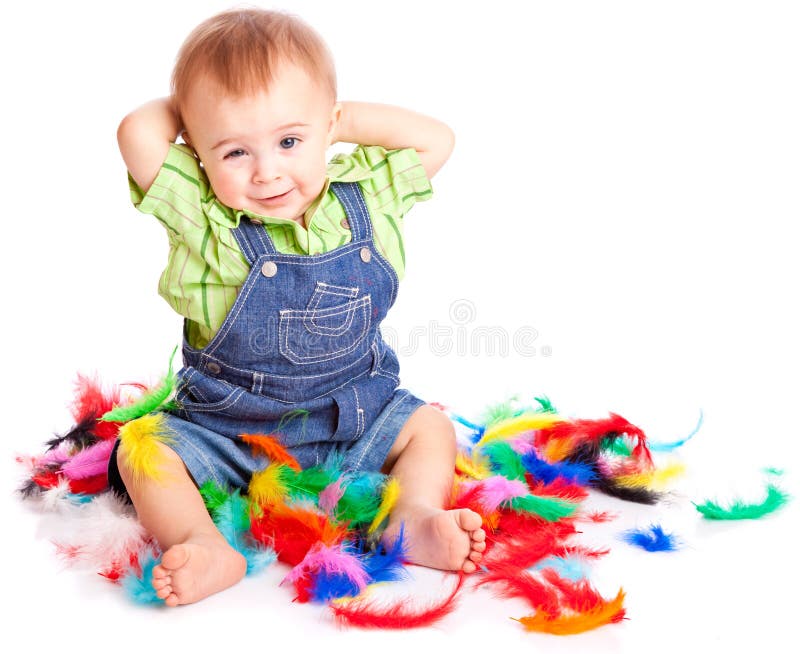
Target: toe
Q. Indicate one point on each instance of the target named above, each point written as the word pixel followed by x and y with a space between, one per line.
pixel 478 547
pixel 159 572
pixel 479 535
pixel 172 600
pixel 468 520
pixel 175 557
pixel 161 582
pixel 164 593
pixel 469 567
pixel 475 556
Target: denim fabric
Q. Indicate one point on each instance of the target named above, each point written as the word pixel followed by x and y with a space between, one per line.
pixel 211 456
pixel 300 355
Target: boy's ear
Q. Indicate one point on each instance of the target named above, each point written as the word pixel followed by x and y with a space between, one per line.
pixel 333 127
pixel 186 139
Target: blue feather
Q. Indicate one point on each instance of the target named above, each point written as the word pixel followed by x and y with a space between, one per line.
pixel 387 564
pixel 575 472
pixel 668 447
pixel 140 589
pixel 567 567
pixel 652 539
pixel 232 518
pixel 332 586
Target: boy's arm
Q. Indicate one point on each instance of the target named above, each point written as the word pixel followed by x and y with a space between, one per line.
pixel 144 137
pixel 393 128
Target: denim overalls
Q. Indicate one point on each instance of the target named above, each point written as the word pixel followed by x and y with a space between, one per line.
pixel 299 355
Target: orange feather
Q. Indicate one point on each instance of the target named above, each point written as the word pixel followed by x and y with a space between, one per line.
pixel 271 447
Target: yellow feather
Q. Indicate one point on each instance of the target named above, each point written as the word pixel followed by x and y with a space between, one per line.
pixel 514 426
pixel 140 444
pixel 268 487
pixel 390 494
pixel 657 479
pixel 476 466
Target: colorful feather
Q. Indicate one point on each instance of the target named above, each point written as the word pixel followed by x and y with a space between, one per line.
pixel 493 491
pixel 391 493
pixel 139 587
pixel 89 462
pixel 514 425
pixel 140 443
pixel 668 447
pixel 372 614
pixel 652 539
pixel 272 448
pixel 149 402
pixel 268 487
pixel 739 510
pixel 330 496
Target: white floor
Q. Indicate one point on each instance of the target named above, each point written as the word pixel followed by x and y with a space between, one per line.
pixel 614 230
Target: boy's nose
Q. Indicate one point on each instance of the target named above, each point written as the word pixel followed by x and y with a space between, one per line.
pixel 266 170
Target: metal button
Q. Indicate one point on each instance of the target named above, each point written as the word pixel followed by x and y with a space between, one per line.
pixel 213 368
pixel 366 255
pixel 345 223
pixel 269 269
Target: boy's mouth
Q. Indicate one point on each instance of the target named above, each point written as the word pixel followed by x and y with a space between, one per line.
pixel 274 198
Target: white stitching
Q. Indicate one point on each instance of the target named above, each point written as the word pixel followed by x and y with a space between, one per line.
pixel 376 428
pixel 283 341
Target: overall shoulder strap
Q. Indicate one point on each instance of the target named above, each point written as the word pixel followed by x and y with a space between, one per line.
pixel 355 208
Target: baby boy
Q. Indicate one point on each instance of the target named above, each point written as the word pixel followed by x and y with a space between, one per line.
pixel 283 266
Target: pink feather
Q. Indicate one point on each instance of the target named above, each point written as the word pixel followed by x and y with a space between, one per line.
pixel 493 491
pixel 89 462
pixel 330 496
pixel 334 560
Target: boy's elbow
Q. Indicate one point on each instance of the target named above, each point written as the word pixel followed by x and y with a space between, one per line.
pixel 437 156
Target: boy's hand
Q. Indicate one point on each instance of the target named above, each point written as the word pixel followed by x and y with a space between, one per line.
pixel 368 123
pixel 144 137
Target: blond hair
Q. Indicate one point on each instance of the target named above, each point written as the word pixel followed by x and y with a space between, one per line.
pixel 241 49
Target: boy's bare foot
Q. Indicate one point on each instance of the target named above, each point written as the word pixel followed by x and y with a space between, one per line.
pixel 446 540
pixel 191 571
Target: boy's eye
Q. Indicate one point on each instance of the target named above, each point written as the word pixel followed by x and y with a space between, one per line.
pixel 288 142
pixel 233 154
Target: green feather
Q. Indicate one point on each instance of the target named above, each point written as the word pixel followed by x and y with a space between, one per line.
pixel 498 412
pixel 312 481
pixel 213 495
pixel 361 498
pixel 148 402
pixel 617 446
pixel 739 510
pixel 504 460
pixel 545 405
pixel 547 508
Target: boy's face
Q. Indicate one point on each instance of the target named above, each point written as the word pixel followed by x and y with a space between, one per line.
pixel 265 152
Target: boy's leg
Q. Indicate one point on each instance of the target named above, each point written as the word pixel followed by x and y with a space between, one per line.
pixel 197 560
pixel 423 458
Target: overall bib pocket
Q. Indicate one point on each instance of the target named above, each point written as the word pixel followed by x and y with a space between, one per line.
pixel 325 330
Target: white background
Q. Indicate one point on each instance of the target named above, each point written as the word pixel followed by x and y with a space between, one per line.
pixel 624 182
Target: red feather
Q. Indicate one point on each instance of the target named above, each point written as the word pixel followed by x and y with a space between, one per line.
pixel 291 531
pixel 511 581
pixel 401 615
pixel 90 485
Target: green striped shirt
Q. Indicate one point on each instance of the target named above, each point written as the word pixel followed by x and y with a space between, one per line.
pixel 205 267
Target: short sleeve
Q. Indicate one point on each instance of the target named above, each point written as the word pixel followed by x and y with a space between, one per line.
pixel 397 178
pixel 180 197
